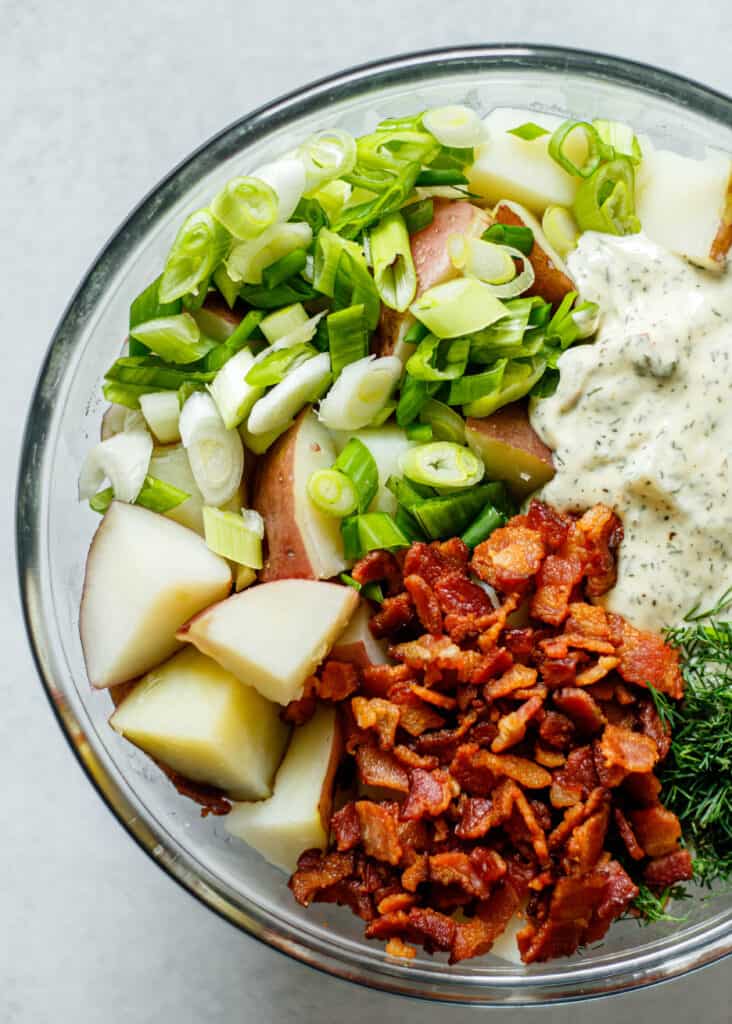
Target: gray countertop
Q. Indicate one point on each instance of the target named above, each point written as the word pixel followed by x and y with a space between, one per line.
pixel 99 100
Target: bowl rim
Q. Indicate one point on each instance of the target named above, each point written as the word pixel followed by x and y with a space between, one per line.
pixel 467 990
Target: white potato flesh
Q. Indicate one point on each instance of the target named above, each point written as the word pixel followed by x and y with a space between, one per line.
pixel 505 945
pixel 145 577
pixel 204 723
pixel 507 167
pixel 171 465
pixel 387 444
pixel 295 817
pixel 681 202
pixel 274 635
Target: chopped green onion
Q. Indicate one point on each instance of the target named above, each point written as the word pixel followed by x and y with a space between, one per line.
pixel 546 386
pixel 444 422
pixel 228 288
pixel 246 207
pixel 286 176
pixel 560 228
pixel 193 300
pixel 122 459
pixel 418 215
pixel 277 325
pixel 408 525
pixel 412 397
pixel 420 432
pixel 162 413
pixel 233 392
pixel 517 380
pixel 455 126
pixel 340 272
pixel 391 255
pixel 528 132
pixel 306 383
pixel 458 307
pixel 293 290
pixel 327 155
pixel 442 464
pixel 241 336
pixel 277 364
pixel 233 536
pixel 372 531
pixel 349 581
pixel 372 590
pixel 199 247
pixel 510 336
pixel 518 236
pixel 247 260
pixel 332 198
pixel 177 339
pixel 348 339
pixel 439 359
pixel 154 495
pixel 588 149
pixel 485 260
pixel 476 386
pixel 416 333
pixel 360 392
pixel 215 453
pixel 333 493
pixel 188 388
pixel 359 465
pixel 147 306
pixel 383 415
pixel 483 526
pixel 150 374
pixel 328 251
pixel 449 516
pixel 283 269
pixel 437 177
pixel 620 137
pixel 260 443
pixel 311 211
pixel 408 493
pixel 606 201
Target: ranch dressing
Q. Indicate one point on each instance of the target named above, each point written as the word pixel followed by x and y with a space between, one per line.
pixel 642 421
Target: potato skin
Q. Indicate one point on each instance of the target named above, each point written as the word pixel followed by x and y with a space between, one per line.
pixel 551 282
pixel 511 449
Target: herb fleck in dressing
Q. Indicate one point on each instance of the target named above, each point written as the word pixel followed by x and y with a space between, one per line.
pixel 642 420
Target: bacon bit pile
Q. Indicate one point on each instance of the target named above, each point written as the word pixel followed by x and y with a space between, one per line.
pixel 505 763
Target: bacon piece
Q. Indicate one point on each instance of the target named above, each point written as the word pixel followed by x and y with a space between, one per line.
pixel 573 783
pixel 395 613
pixel 585 844
pixel 460 596
pixel 397 947
pixel 380 768
pixel 475 769
pixel 571 909
pixel 417 873
pixel 417 720
pixel 319 872
pixel 646 658
pixel 642 789
pixel 377 566
pixel 428 650
pixel 378 679
pixel 581 708
pixel 602 532
pixel 589 620
pixel 561 671
pixel 550 523
pixel 433 561
pixel 425 603
pixel 378 714
pixel 652 726
pixel 346 828
pixel 444 742
pixel 621 751
pixel 379 836
pixel 489 637
pixel 512 727
pixel 413 759
pixel 434 930
pixel 521 642
pixel 597 671
pixel 555 582
pixel 389 926
pixel 479 815
pixel 618 894
pixel 338 680
pixel 658 829
pixel 470 770
pixel 474 873
pixel 516 678
pixel 476 936
pixel 429 795
pixel 669 869
pixel 556 730
pixel 298 712
pixel 440 700
pixel 575 815
pixel 625 830
pixel 490 665
pixel 547 756
pixel 509 558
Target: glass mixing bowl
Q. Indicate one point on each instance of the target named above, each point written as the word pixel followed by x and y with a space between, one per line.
pixel 54 530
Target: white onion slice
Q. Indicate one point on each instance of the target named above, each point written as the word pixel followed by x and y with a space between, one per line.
pixel 302 385
pixel 123 460
pixel 360 393
pixel 161 411
pixel 287 177
pixel 455 126
pixel 216 454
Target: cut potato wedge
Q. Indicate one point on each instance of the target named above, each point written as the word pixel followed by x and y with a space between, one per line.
pixel 145 576
pixel 202 722
pixel 686 205
pixel 552 280
pixel 296 817
pixel 511 449
pixel 274 635
pixel 302 541
pixel 387 444
pixel 507 167
pixel 357 644
pixel 170 464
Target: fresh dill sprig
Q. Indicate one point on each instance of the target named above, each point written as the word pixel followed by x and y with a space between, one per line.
pixel 697 775
pixel 650 907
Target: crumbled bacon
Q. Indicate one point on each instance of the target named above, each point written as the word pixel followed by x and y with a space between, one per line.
pixel 495 761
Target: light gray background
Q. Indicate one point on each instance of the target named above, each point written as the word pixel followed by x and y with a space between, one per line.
pixel 99 99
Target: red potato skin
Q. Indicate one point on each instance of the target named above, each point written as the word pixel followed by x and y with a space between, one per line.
pixel 512 426
pixel 550 283
pixel 431 260
pixel 216 304
pixel 287 557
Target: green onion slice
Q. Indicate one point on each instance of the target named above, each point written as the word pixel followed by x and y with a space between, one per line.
pixel 393 267
pixel 176 339
pixel 621 138
pixel 215 453
pixel 560 228
pixel 483 526
pixel 412 397
pixel 455 126
pixel 236 341
pixel 438 177
pixel 154 495
pixel 418 215
pixel 485 260
pixel 122 459
pixel 246 207
pixel 233 392
pixel 333 493
pixel 228 288
pixel 476 386
pixel 248 259
pixel 284 268
pixel 420 432
pixel 360 392
pixel 327 155
pixel 577 147
pixel 445 423
pixel 275 366
pixel 283 322
pixel 442 464
pixel 518 236
pixel 517 380
pixel 303 384
pixel 438 359
pixel 348 338
pixel 199 247
pixel 238 537
pixel 359 465
pixel 450 515
pixel 528 131
pixel 458 307
pixel 372 531
pixel 606 201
